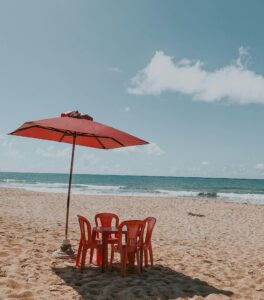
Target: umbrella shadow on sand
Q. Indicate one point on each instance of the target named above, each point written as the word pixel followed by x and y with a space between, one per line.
pixel 154 283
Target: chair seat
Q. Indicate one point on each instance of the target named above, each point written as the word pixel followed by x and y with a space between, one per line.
pixel 98 242
pixel 116 249
pixel 111 240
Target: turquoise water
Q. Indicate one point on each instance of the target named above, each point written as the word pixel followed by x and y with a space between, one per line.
pixel 238 190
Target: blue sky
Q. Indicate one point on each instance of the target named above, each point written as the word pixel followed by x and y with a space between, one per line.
pixel 188 76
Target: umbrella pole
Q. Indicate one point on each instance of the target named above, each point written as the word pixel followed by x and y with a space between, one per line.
pixel 69 188
pixel 65 248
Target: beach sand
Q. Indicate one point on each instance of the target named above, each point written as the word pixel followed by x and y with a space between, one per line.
pixel 216 255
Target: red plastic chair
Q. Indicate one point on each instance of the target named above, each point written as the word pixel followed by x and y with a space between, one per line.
pixel 87 242
pixel 147 247
pixel 130 243
pixel 107 220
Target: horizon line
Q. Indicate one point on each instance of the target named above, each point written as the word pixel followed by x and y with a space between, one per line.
pixel 166 176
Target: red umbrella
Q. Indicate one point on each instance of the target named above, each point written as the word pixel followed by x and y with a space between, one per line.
pixel 76 129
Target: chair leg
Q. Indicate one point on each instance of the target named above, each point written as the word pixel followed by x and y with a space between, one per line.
pixel 111 257
pixel 146 257
pixel 141 258
pixel 131 259
pixel 123 263
pixel 91 255
pixel 138 261
pixel 106 256
pixel 78 254
pixel 151 255
pixel 84 252
pixel 99 256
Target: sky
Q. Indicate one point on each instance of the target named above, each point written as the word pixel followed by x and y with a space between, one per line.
pixel 187 76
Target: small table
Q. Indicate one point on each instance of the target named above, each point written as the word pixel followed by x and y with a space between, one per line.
pixel 105 231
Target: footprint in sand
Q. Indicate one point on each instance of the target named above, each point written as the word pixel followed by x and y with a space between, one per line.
pixel 2 273
pixel 3 254
pixel 13 284
pixel 24 294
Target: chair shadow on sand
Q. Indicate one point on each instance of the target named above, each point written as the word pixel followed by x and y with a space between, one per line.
pixel 154 283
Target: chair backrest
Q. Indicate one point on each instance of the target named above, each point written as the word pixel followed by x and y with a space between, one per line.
pixel 149 225
pixel 133 230
pixel 106 220
pixel 85 228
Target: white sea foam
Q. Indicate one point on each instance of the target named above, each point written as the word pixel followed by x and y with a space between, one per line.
pixel 244 198
pixel 13 180
pixel 121 190
pixel 61 187
pixel 170 193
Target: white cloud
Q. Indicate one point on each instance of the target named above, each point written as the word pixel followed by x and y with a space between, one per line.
pixel 115 69
pixel 10 147
pixel 233 82
pixel 151 149
pixel 128 149
pixel 96 164
pixel 87 163
pixel 52 152
pixel 260 166
pixel 127 109
pixel 204 163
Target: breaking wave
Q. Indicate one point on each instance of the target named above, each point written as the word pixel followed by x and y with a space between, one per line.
pixel 240 192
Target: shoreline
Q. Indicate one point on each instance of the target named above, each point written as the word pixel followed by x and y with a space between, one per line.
pixel 221 189
pixel 145 196
pixel 216 252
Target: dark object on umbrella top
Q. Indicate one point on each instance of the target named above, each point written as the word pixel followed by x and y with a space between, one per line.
pixel 76 129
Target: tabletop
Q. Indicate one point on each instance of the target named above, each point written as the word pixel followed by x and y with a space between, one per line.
pixel 101 229
pixel 105 229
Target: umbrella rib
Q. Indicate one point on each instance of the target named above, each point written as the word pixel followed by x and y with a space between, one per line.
pixel 21 129
pixel 98 140
pixel 105 137
pixel 69 133
pixel 62 137
pixel 118 142
pixel 97 137
pixel 37 126
pixel 54 129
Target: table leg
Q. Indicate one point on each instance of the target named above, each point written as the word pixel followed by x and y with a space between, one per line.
pixel 131 259
pixel 104 250
pixel 141 259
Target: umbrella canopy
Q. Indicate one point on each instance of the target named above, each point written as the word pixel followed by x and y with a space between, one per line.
pixel 76 129
pixel 81 127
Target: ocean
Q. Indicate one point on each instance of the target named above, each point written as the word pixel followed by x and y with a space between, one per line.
pixel 222 189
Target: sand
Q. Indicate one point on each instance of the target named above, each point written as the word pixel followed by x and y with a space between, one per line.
pixel 202 249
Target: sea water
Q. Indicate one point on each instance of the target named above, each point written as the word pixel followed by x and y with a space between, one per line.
pixel 225 189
